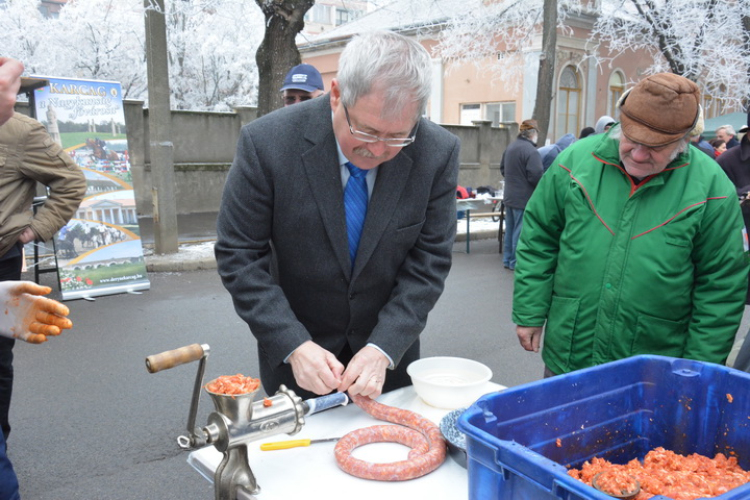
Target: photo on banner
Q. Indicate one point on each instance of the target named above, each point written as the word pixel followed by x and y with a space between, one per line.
pixel 99 251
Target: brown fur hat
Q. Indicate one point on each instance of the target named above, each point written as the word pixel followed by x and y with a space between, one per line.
pixel 660 109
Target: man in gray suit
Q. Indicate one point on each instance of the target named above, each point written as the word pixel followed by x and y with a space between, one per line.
pixel 328 316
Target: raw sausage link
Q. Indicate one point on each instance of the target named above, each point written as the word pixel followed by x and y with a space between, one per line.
pixel 421 435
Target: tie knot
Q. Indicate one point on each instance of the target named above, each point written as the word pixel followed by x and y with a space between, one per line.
pixel 356 171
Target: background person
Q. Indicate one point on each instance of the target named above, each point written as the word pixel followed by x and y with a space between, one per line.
pixel 302 83
pixel 719 146
pixel 736 164
pixel 521 166
pixel 30 156
pixel 632 242
pixel 727 134
pixel 603 124
pixel 549 153
pixel 330 310
pixel 699 142
pixel 26 315
pixel 585 132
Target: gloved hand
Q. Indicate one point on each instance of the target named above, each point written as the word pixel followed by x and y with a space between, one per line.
pixel 25 315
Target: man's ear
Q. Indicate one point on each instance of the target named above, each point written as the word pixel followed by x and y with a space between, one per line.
pixel 335 94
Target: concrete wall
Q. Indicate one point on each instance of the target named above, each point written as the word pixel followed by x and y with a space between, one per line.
pixel 204 145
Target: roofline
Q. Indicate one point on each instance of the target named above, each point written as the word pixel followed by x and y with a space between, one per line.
pixel 339 41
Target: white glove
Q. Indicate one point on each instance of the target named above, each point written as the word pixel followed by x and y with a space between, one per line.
pixel 25 315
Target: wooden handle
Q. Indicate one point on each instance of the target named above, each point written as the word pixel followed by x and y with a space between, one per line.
pixel 170 359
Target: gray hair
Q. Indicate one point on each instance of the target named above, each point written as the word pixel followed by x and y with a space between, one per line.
pixel 615 133
pixel 728 129
pixel 389 62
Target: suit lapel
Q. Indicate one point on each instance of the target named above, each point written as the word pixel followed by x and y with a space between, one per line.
pixel 321 164
pixel 390 183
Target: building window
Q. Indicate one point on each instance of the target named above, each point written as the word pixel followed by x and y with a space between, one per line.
pixel 568 103
pixel 470 112
pixel 320 14
pixel 496 112
pixel 616 88
pixel 500 112
pixel 342 16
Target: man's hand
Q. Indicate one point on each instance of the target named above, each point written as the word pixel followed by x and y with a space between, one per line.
pixel 27 316
pixel 315 369
pixel 530 337
pixel 10 83
pixel 26 236
pixel 365 374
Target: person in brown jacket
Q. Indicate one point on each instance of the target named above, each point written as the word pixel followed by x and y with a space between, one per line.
pixel 29 155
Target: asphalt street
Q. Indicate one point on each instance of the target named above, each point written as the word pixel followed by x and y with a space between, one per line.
pixel 89 422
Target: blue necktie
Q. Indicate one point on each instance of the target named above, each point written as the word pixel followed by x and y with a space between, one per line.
pixel 355 205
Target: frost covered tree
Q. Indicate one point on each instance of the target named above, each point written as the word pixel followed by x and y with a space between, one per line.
pixel 212 46
pixel 707 41
pixel 19 19
pixel 211 51
pixel 104 40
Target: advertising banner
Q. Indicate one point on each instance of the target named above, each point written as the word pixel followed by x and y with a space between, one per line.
pixel 99 251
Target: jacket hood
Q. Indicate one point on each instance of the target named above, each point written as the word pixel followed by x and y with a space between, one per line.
pixel 603 121
pixel 565 141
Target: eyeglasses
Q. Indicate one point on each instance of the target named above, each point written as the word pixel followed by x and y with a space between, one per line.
pixel 291 99
pixel 394 142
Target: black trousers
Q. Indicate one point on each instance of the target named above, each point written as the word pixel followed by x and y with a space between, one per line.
pixel 10 270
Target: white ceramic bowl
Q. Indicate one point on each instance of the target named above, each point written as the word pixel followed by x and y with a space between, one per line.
pixel 449 383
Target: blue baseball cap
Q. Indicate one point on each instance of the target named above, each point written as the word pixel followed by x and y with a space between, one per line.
pixel 303 77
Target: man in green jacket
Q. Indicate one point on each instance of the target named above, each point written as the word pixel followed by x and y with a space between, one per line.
pixel 632 242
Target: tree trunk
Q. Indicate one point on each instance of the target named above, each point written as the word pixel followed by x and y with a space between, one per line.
pixel 545 83
pixel 278 53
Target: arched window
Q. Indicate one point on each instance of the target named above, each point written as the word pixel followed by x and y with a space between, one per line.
pixel 568 103
pixel 616 88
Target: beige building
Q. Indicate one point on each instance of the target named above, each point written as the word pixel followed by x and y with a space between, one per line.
pixel 463 92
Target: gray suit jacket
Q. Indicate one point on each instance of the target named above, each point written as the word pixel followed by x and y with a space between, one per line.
pixel 282 248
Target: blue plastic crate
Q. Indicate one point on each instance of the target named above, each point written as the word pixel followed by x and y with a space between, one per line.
pixel 618 411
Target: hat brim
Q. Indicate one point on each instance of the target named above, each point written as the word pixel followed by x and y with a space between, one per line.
pixel 640 133
pixel 297 86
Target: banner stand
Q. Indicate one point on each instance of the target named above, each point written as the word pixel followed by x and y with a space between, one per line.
pixel 98 252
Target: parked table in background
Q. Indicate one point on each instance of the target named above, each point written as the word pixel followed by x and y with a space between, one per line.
pixel 487 207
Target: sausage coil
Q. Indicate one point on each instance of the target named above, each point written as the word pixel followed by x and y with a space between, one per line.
pixel 427 445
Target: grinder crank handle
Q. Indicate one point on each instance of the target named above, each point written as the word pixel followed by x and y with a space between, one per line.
pixel 169 359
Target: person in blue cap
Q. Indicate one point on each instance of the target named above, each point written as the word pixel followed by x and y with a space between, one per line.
pixel 302 83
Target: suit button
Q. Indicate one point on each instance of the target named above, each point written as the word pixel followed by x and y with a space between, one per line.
pixel 351 296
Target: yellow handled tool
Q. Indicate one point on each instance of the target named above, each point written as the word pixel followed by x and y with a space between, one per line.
pixel 295 443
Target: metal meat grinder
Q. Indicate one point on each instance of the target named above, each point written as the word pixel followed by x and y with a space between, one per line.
pixel 238 420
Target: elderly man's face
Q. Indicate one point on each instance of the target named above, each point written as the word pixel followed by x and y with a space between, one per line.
pixel 722 134
pixel 367 116
pixel 641 161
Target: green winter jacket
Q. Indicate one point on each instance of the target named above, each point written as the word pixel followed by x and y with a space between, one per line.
pixel 617 270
